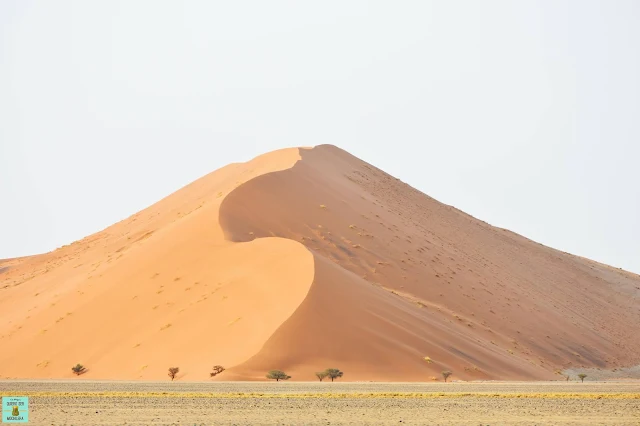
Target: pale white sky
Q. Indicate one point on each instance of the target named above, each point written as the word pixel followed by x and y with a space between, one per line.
pixel 524 114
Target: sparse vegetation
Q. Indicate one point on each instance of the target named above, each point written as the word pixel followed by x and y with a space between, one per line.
pixel 582 376
pixel 333 373
pixel 173 371
pixel 79 369
pixel 602 403
pixel 446 375
pixel 277 375
pixel 321 375
pixel 427 360
pixel 217 369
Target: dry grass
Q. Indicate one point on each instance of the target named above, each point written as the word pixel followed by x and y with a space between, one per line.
pixel 332 395
pixel 314 403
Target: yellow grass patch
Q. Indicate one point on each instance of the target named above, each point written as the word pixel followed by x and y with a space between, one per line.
pixel 330 395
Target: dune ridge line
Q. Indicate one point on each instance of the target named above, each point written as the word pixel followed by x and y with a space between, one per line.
pixel 307 259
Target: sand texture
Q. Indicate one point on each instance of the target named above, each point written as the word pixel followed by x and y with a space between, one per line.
pixel 304 259
pixel 192 403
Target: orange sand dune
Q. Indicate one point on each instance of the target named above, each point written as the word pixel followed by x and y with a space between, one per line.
pixel 304 259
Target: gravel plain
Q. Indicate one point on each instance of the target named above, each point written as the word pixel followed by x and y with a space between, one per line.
pixel 341 403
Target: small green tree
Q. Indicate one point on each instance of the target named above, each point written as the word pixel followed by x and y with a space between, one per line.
pixel 78 369
pixel 582 376
pixel 321 375
pixel 277 375
pixel 333 373
pixel 172 372
pixel 217 369
pixel 446 375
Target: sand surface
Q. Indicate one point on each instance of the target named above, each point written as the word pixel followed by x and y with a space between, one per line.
pixel 143 403
pixel 304 259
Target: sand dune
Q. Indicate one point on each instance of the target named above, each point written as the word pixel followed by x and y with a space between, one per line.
pixel 304 259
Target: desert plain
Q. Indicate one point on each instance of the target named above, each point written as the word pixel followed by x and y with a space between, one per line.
pixel 308 403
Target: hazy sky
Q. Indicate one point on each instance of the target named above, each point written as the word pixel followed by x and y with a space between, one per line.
pixel 524 114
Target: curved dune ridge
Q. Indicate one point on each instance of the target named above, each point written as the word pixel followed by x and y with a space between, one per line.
pixel 162 288
pixel 304 259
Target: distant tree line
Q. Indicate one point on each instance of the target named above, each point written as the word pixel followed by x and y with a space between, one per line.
pixel 277 375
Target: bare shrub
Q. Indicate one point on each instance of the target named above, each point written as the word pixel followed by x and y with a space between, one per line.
pixel 79 369
pixel 217 369
pixel 172 372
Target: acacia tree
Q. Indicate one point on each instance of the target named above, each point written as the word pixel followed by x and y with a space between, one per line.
pixel 78 369
pixel 217 369
pixel 277 375
pixel 333 373
pixel 446 375
pixel 321 375
pixel 582 377
pixel 172 372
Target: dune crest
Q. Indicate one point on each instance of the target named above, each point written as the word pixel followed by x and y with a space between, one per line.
pixel 304 259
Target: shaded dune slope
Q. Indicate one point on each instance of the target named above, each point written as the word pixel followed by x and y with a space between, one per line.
pixel 400 276
pixel 304 259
